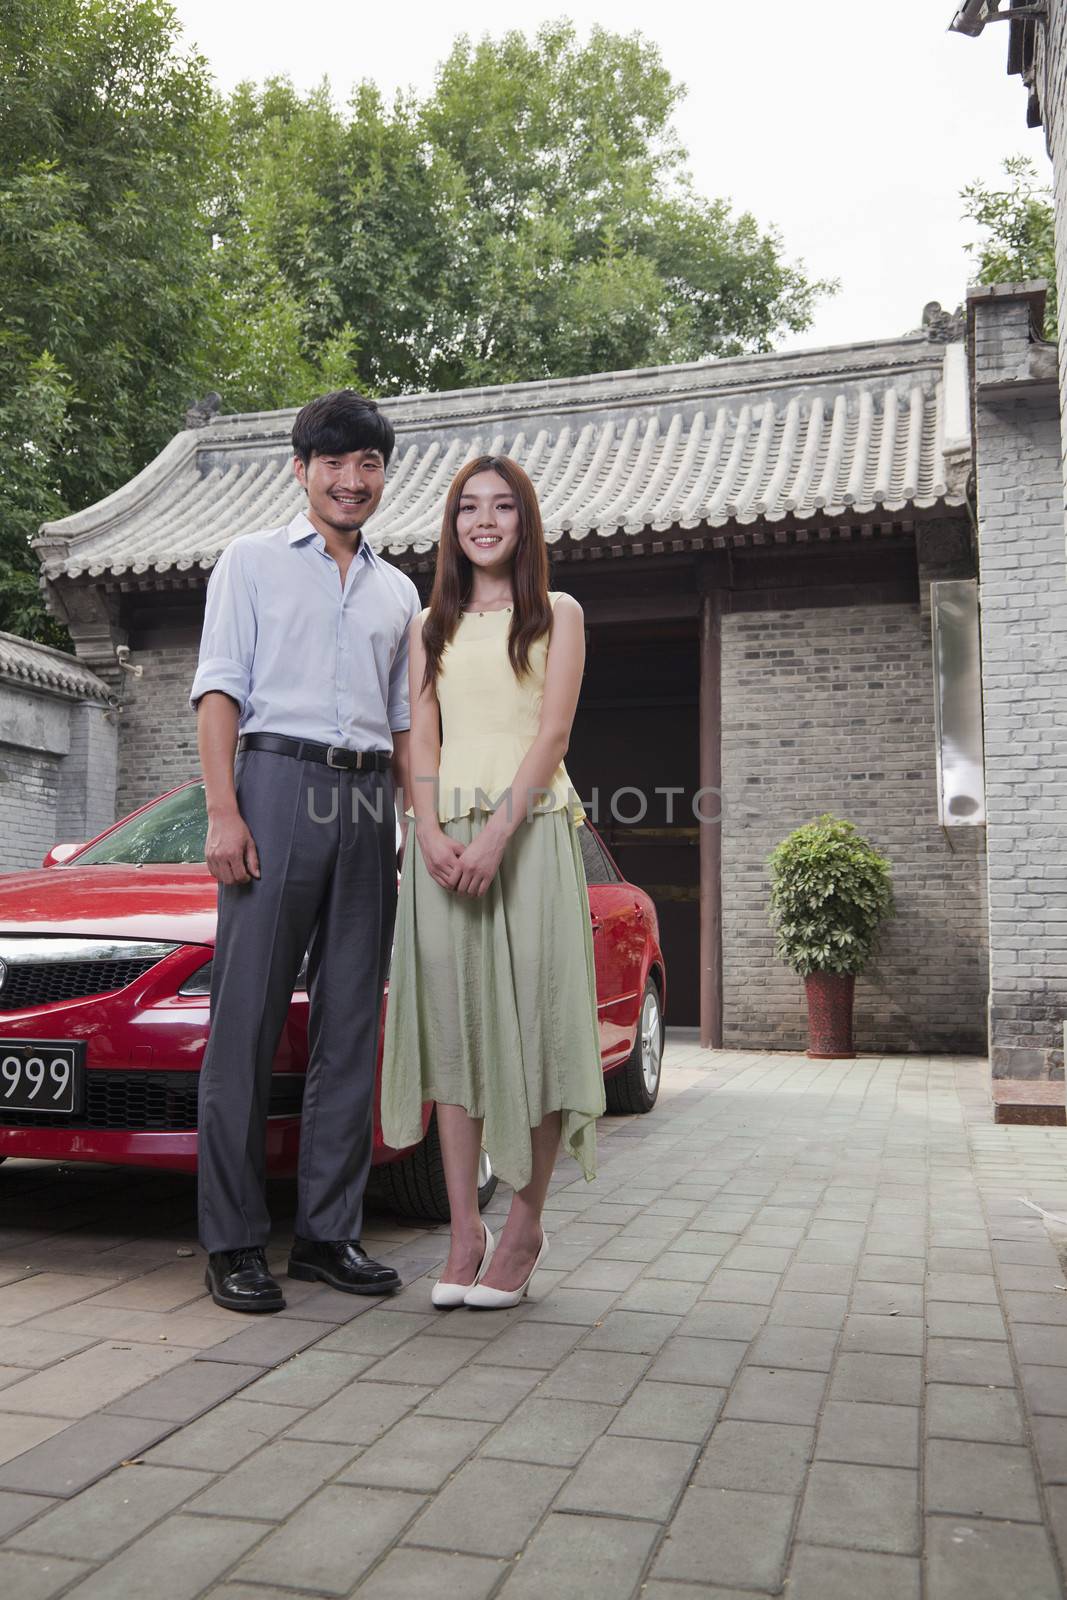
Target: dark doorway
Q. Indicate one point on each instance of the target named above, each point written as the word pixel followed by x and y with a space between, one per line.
pixel 637 730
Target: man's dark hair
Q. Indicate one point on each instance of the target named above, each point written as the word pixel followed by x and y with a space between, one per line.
pixel 339 422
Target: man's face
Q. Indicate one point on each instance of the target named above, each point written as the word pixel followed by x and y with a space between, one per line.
pixel 342 490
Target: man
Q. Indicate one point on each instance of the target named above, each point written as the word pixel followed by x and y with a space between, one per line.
pixel 302 675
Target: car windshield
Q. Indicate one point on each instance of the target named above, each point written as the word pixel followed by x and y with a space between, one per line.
pixel 173 830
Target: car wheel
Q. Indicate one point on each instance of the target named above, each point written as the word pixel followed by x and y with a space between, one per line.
pixel 415 1185
pixel 635 1086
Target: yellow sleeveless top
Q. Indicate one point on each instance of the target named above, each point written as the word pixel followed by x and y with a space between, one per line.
pixel 490 718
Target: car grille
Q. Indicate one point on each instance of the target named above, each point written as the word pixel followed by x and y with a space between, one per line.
pixel 45 983
pixel 148 1102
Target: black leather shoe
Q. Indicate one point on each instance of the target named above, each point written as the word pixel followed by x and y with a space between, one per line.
pixel 240 1280
pixel 343 1264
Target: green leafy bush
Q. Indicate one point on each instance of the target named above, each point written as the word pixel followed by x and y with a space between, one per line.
pixel 830 893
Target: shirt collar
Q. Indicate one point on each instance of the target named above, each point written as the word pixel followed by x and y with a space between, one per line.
pixel 302 529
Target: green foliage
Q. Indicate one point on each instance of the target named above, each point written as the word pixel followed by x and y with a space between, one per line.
pixel 1019 223
pixel 531 217
pixel 830 893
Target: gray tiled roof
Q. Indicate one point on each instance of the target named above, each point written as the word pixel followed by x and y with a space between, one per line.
pixel 863 431
pixel 38 666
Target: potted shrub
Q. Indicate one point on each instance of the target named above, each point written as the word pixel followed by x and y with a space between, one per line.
pixel 830 894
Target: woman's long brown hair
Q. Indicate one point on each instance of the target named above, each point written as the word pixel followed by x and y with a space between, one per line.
pixel 531 615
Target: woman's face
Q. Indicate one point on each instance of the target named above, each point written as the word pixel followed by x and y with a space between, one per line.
pixel 487 522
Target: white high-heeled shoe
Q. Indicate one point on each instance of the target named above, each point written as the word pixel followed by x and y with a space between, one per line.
pixel 482 1297
pixel 445 1295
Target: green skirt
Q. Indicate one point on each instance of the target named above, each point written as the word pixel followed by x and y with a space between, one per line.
pixel 492 1001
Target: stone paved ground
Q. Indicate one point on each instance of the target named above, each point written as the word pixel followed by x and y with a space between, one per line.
pixel 802 1334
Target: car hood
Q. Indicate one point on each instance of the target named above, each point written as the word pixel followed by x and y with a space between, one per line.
pixel 171 902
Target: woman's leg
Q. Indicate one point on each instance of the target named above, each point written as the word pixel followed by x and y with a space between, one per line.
pixel 520 1241
pixel 461 1147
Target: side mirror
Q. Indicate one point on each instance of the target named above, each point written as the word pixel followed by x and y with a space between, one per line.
pixel 61 853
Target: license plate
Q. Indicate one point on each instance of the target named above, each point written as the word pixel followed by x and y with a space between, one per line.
pixel 41 1075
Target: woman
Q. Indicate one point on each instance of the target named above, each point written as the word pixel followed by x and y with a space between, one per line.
pixel 492 997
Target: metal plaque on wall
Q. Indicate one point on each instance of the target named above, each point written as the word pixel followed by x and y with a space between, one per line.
pixel 958 702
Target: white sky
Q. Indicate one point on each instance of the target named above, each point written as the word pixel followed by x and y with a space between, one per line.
pixel 852 125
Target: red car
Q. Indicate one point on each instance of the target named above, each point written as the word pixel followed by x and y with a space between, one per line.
pixel 105 969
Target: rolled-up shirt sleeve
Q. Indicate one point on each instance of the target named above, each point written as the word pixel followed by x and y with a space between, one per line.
pixel 399 697
pixel 228 642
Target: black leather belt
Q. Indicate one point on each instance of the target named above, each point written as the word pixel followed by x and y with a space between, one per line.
pixel 330 755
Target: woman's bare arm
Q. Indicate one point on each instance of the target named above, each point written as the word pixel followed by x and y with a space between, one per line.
pixel 424 760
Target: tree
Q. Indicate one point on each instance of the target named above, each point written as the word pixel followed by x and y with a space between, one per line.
pixel 1019 223
pixel 533 217
pixel 108 143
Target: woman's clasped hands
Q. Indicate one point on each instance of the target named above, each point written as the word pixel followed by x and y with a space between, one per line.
pixel 465 869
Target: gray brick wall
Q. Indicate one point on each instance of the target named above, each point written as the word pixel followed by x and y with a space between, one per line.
pixel 85 803
pixel 1052 77
pixel 157 730
pixel 1024 642
pixel 29 786
pixel 832 710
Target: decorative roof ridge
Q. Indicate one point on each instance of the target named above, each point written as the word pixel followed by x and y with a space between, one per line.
pixel 29 661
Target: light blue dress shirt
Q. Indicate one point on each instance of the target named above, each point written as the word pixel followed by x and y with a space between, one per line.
pixel 300 654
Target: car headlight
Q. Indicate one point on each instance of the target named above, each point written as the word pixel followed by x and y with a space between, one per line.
pixel 198 983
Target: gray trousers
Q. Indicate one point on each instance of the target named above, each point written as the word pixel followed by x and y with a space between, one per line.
pixel 327 886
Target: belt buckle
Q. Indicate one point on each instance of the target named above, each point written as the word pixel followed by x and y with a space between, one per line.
pixel 343 766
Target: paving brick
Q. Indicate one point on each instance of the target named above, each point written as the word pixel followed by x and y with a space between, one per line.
pixel 827 1574
pixel 192 1552
pixel 407 1574
pixel 36 1577
pixel 968 1361
pixel 660 1294
pixel 425 1361
pixel 859 1507
pixel 710 1361
pixel 630 1477
pixel 615 1275
pixel 419 1453
pixel 331 1541
pixel 18 1509
pixel 489 1507
pixel 218 1441
pixel 378 1332
pixel 603 1376
pixel 160 1290
pixel 971 1287
pixel 985 1561
pixel 805 1349
pixel 581 1558
pixel 1038 1345
pixel 765 1457
pixel 809 1310
pixel 553 1434
pixel 187 1391
pixel 272 1483
pixel 890 1269
pixel 763 1394
pixel 875 1435
pixel 529 1344
pixel 20 1433
pixel 87 1382
pixel 1046 1309
pixel 681 1411
pixel 955 1411
pixel 268 1342
pixel 1046 1390
pixel 481 1394
pixel 716 1319
pixel 308 1379
pixel 807 1277
pixel 1050 1446
pixel 32 1345
pixel 888 1336
pixel 635 1332
pixel 110 1514
pixel 894 1380
pixel 710 1540
pixel 32 1297
pixel 757 1258
pixel 584 1306
pixel 888 1299
pixel 742 1288
pixel 79 1454
pixel 981 1480
pixel 359 1413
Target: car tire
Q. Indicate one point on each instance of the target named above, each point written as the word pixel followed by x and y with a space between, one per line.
pixel 415 1185
pixel 634 1088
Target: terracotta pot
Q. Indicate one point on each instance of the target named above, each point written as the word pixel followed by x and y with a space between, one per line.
pixel 830 1015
